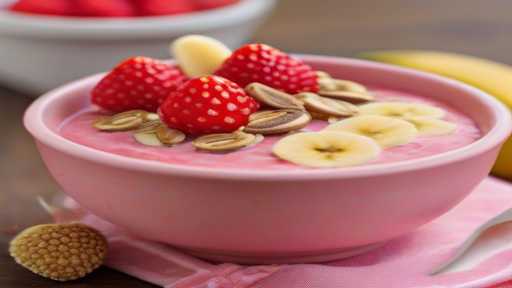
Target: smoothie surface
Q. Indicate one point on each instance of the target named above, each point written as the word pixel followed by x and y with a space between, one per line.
pixel 78 128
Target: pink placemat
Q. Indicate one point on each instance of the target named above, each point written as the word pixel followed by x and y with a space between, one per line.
pixel 402 263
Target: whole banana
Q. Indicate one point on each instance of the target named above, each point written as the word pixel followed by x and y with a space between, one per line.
pixel 491 77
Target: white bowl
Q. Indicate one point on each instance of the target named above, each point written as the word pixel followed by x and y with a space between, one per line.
pixel 38 53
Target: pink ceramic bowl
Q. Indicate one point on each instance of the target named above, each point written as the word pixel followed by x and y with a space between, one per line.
pixel 274 217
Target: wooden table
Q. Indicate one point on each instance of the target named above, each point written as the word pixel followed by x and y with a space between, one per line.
pixel 331 27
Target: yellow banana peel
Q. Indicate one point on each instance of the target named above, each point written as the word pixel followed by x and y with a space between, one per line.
pixel 491 77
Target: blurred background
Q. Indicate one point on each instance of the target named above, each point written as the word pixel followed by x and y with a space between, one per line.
pixel 328 27
pixel 343 28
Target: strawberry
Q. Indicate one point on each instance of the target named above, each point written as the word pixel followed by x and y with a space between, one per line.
pixel 46 7
pixel 164 7
pixel 137 83
pixel 269 66
pixel 212 4
pixel 102 8
pixel 209 104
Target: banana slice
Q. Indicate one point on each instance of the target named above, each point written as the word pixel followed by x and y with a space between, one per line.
pixel 401 110
pixel 432 127
pixel 326 149
pixel 199 55
pixel 386 131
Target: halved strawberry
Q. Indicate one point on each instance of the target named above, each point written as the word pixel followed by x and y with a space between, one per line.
pixel 137 83
pixel 209 104
pixel 46 7
pixel 267 65
pixel 102 8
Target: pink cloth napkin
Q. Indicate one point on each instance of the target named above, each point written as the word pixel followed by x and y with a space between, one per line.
pixel 402 263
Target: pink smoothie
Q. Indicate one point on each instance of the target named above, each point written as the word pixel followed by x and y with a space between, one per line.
pixel 78 128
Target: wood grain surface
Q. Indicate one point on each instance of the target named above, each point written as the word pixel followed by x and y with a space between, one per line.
pixel 330 27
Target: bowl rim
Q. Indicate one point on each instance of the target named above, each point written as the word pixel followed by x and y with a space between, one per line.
pixel 45 26
pixel 493 138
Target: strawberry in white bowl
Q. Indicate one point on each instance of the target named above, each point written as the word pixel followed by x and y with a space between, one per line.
pixel 114 8
pixel 40 52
